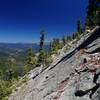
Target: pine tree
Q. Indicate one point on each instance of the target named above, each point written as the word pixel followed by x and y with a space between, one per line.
pixel 69 38
pixel 10 70
pixel 56 45
pixel 42 33
pixel 50 49
pixel 97 12
pixel 79 30
pixel 42 52
pixel 31 54
pixel 10 73
pixel 79 27
pixel 73 36
pixel 77 35
pixel 42 56
pixel 1 74
pixel 86 25
pixel 48 59
pixel 64 40
pixel 93 13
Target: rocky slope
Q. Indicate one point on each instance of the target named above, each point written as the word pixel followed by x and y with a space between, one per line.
pixel 72 76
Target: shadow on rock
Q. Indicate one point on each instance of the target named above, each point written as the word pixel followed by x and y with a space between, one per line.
pixel 81 93
pixel 92 90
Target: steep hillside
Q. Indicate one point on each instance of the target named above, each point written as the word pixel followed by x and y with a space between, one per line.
pixel 72 76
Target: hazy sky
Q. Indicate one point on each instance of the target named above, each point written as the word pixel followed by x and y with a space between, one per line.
pixel 21 20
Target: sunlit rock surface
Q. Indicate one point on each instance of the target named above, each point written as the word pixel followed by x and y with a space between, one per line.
pixel 69 77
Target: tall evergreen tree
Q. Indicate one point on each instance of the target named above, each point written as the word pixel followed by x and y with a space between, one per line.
pixel 42 52
pixel 79 27
pixel 73 36
pixel 42 33
pixel 93 13
pixel 64 40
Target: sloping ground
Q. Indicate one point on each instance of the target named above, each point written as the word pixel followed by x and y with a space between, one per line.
pixel 71 78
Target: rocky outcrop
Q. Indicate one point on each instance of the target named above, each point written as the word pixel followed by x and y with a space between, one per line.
pixel 75 75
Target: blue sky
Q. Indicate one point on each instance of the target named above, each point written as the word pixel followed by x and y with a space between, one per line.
pixel 21 20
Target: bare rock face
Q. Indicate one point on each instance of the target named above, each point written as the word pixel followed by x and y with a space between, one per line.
pixel 68 78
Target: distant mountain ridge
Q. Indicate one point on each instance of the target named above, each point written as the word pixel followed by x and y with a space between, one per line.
pixel 22 46
pixel 13 49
